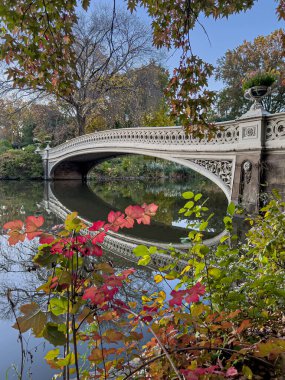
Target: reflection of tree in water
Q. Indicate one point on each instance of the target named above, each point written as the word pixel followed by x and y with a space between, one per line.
pixel 22 277
pixel 167 195
pixel 18 275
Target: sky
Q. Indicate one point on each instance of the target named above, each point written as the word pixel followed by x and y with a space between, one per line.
pixel 224 34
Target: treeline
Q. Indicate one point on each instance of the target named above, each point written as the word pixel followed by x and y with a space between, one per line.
pixel 135 166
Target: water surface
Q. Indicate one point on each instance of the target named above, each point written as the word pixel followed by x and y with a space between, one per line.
pixel 93 201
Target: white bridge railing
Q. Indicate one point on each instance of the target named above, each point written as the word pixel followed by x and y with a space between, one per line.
pixel 233 134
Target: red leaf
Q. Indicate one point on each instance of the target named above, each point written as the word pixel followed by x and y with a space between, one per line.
pixel 129 222
pixel 99 238
pixel 32 235
pixel 191 295
pixel 145 219
pixel 96 225
pixel 97 251
pixel 150 209
pixel 116 220
pixel 46 238
pixel 134 212
pixel 127 272
pixel 231 372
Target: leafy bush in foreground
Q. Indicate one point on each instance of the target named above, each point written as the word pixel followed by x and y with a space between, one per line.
pixel 222 319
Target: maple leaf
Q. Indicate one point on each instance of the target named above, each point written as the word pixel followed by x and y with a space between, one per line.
pixel 177 297
pixel 127 272
pixel 15 236
pixel 96 226
pixel 33 318
pixel 46 238
pixel 99 238
pixel 13 225
pixel 96 251
pixel 150 209
pixel 134 212
pixel 32 224
pixel 116 220
pixel 129 222
pixel 191 295
pixel 112 336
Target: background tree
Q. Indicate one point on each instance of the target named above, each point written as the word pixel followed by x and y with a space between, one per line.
pixel 21 121
pixel 141 103
pixel 37 38
pixel 102 49
pixel 50 120
pixel 265 53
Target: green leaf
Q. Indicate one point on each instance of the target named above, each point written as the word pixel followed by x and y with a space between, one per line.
pixel 58 306
pixel 145 260
pixel 199 266
pixel 203 226
pixel 189 204
pixel 68 360
pixel 54 334
pixel 33 319
pixel 198 197
pixel 72 222
pixel 224 238
pixel 214 272
pixel 227 220
pixel 247 372
pixel 152 250
pixel 188 195
pixel 44 258
pixel 231 209
pixel 141 250
pixel 52 354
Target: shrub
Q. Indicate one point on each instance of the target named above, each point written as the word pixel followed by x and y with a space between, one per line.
pixel 21 164
pixel 4 146
pixel 222 319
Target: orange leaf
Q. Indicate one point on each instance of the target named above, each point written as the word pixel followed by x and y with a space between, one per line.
pixel 244 325
pixel 33 223
pixel 15 236
pixel 13 225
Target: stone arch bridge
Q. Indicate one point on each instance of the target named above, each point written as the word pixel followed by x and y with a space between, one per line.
pixel 245 156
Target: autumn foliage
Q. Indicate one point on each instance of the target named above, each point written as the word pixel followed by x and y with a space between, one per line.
pixel 210 325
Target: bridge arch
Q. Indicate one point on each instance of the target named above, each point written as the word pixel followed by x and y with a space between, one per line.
pixel 257 139
pixel 76 165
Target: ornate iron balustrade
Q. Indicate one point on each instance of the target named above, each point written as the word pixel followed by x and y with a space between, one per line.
pixel 226 134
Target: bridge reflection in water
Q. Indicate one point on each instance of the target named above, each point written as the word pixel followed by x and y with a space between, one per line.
pixel 119 244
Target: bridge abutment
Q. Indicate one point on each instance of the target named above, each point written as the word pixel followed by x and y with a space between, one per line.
pixel 69 170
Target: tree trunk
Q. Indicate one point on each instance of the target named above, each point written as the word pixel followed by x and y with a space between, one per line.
pixel 81 123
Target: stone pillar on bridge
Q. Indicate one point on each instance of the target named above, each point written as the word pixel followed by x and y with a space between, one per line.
pixel 250 160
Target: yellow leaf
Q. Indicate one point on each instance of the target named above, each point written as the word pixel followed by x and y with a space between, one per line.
pixel 158 278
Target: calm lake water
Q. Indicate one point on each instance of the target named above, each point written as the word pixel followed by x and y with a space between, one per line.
pixel 93 201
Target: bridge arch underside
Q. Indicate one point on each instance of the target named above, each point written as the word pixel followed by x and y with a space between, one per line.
pixel 77 166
